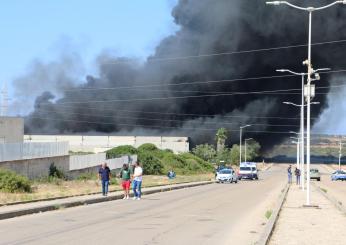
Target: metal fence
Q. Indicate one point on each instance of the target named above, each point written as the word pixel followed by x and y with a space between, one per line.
pixel 93 160
pixel 29 150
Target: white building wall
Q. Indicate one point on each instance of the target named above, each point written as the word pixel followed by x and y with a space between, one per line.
pixel 102 143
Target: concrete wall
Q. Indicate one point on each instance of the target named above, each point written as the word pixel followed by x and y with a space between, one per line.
pixel 102 143
pixel 36 168
pixel 11 130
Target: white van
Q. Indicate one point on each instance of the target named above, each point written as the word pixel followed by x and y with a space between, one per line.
pixel 248 170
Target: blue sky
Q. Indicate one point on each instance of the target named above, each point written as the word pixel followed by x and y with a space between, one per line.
pixel 42 29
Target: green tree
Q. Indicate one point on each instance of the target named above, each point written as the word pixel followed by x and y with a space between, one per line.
pixel 205 151
pixel 235 154
pixel 221 137
pixel 224 155
pixel 252 150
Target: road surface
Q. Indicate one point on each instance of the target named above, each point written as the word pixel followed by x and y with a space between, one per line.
pixel 212 214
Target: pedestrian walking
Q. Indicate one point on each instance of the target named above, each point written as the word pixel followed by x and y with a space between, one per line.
pixel 297 173
pixel 104 176
pixel 289 173
pixel 125 175
pixel 137 181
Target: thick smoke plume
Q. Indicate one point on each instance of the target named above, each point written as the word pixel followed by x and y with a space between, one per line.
pixel 206 26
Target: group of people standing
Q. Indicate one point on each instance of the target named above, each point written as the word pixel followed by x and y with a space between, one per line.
pixel 127 175
pixel 296 172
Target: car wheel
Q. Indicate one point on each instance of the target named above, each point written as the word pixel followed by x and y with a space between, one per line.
pixel 236 181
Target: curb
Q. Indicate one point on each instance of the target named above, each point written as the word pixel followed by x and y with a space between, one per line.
pixel 70 204
pixel 268 231
pixel 331 198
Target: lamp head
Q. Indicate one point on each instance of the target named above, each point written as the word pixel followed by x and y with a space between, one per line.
pixel 275 3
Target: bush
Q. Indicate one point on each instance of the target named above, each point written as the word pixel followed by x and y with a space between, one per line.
pixel 147 147
pixel 12 182
pixel 54 172
pixel 151 164
pixel 121 151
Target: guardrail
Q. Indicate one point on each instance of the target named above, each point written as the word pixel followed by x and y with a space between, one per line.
pixel 30 150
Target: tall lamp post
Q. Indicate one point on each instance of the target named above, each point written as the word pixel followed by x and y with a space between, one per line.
pixel 297 142
pixel 245 146
pixel 302 133
pixel 241 130
pixel 340 154
pixel 310 72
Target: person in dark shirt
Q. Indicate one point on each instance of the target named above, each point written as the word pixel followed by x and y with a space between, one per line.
pixel 104 175
pixel 289 173
pixel 125 175
pixel 297 173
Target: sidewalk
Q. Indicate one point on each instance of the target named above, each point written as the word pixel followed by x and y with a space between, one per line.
pixel 11 211
pixel 307 225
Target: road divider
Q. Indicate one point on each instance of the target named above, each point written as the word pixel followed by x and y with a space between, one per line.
pixel 268 230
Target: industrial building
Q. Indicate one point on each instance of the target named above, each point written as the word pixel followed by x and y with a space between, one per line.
pixel 97 144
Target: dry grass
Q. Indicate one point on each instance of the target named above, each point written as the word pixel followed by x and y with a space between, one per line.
pixel 78 187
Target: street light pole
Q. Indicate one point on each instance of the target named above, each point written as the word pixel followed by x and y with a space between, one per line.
pixel 340 154
pixel 240 140
pixel 309 73
pixel 297 142
pixel 245 147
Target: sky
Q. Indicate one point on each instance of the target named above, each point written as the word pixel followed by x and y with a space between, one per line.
pixel 42 30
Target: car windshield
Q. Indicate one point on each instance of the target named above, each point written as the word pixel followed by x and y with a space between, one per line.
pixel 253 168
pixel 225 171
pixel 245 168
pixel 340 172
pixel 314 170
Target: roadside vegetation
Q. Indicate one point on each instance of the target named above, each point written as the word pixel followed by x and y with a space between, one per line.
pixel 158 162
pixel 222 153
pixel 12 182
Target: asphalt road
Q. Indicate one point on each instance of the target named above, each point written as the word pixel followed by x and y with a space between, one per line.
pixel 212 214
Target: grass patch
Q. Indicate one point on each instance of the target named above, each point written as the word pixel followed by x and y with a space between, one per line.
pixel 268 214
pixel 324 190
pixel 43 189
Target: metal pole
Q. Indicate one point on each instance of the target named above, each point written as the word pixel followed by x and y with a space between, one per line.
pixel 340 156
pixel 308 117
pixel 302 135
pixel 298 153
pixel 245 150
pixel 240 146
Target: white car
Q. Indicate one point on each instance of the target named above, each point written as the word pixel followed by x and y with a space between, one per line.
pixel 226 175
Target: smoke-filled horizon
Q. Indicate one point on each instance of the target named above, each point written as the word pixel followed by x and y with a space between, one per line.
pixel 206 27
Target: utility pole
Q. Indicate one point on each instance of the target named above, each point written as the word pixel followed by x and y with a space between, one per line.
pixel 4 101
pixel 309 89
pixel 340 154
pixel 240 140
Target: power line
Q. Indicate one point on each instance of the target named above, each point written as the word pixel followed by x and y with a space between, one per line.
pixel 190 96
pixel 168 120
pixel 155 126
pixel 177 114
pixel 159 84
pixel 228 53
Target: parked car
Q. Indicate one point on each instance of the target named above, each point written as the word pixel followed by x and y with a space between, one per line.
pixel 315 174
pixel 226 175
pixel 339 175
pixel 248 170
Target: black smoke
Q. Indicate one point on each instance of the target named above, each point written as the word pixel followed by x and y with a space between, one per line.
pixel 205 26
